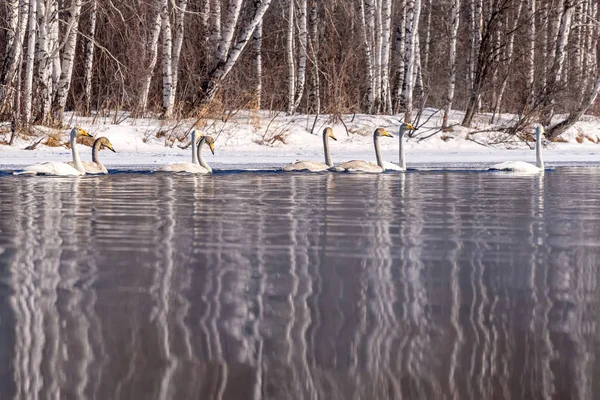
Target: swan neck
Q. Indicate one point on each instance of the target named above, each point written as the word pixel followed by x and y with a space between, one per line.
pixel 201 160
pixel 402 154
pixel 538 149
pixel 326 150
pixel 76 160
pixel 377 151
pixel 194 147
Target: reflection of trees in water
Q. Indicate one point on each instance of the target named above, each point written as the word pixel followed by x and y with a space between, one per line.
pixel 327 286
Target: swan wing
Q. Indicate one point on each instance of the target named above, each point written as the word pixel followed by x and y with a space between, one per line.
pixel 312 166
pixel 515 166
pixel 50 168
pixel 357 166
pixel 92 167
pixel 388 166
pixel 190 168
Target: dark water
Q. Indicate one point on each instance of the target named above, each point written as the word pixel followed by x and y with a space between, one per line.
pixel 273 286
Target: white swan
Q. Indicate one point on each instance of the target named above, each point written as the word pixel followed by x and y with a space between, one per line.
pixel 314 166
pixel 405 127
pixel 61 168
pixel 194 167
pixel 365 166
pixel 95 166
pixel 524 167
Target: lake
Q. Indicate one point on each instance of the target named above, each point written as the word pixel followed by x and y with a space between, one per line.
pixel 435 284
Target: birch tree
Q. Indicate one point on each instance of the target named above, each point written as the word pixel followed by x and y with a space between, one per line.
pixel 315 90
pixel 152 57
pixel 31 41
pixel 412 29
pixel 68 57
pixel 367 45
pixel 302 50
pixel 224 65
pixel 454 25
pixel 400 46
pixel 291 60
pixel 167 59
pixel 257 57
pixel 14 49
pixel 180 12
pixel 89 58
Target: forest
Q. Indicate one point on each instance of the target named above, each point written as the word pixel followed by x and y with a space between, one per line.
pixel 178 58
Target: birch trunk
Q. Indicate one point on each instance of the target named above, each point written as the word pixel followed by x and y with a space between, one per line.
pixel 412 30
pixel 233 13
pixel 427 43
pixel 400 47
pixel 42 57
pixel 211 85
pixel 13 54
pixel 215 30
pixel 205 15
pixel 386 99
pixel 89 59
pixel 31 41
pixel 291 60
pixel 530 53
pixel 64 84
pixel 178 43
pixel 152 54
pixel 257 59
pixel 368 56
pixel 377 45
pixel 54 47
pixel 167 59
pixel 454 25
pixel 303 49
pixel 315 100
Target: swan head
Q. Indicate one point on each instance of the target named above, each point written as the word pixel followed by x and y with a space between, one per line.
pixel 210 142
pixel 382 132
pixel 539 130
pixel 329 133
pixel 106 144
pixel 198 133
pixel 80 132
pixel 406 127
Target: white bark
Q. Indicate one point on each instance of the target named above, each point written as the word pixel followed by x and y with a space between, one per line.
pixel 167 59
pixel 42 56
pixel 531 45
pixel 12 24
pixel 211 85
pixel 31 40
pixel 178 42
pixel 377 46
pixel 400 68
pixel 215 25
pixel 233 14
pixel 427 43
pixel 386 99
pixel 257 61
pixel 54 46
pixel 68 57
pixel 302 52
pixel 89 58
pixel 412 30
pixel 152 54
pixel 291 60
pixel 454 25
pixel 205 15
pixel 14 52
pixel 368 55
pixel 315 100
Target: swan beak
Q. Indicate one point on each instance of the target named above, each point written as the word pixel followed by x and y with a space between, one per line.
pixel 333 137
pixel 386 133
pixel 212 148
pixel 411 127
pixel 83 132
pixel 110 147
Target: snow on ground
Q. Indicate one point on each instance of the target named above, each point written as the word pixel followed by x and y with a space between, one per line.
pixel 251 140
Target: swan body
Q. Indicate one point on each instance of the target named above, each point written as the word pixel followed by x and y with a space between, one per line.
pixel 200 166
pixel 314 166
pixel 193 167
pixel 95 167
pixel 75 168
pixel 365 166
pixel 524 167
pixel 388 166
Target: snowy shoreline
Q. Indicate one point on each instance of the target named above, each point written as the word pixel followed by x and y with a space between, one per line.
pixel 244 141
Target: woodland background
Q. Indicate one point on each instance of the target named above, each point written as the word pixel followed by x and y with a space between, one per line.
pixel 180 58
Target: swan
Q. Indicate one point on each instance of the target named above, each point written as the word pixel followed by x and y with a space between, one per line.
pixel 314 166
pixel 405 127
pixel 194 167
pixel 365 166
pixel 520 166
pixel 95 166
pixel 61 168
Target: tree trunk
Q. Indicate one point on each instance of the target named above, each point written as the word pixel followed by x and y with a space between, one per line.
pixel 42 56
pixel 178 43
pixel 167 59
pixel 291 60
pixel 13 53
pixel 152 54
pixel 454 25
pixel 368 56
pixel 302 56
pixel 386 99
pixel 315 98
pixel 64 84
pixel 530 53
pixel 215 30
pixel 31 40
pixel 89 59
pixel 412 30
pixel 257 60
pixel 211 85
pixel 400 48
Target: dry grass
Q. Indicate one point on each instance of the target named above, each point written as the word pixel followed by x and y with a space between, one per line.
pixel 446 138
pixel 560 140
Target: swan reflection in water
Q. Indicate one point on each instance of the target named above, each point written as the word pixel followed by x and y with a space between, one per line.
pixel 299 286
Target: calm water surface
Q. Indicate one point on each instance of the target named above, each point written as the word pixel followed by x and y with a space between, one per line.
pixel 273 286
